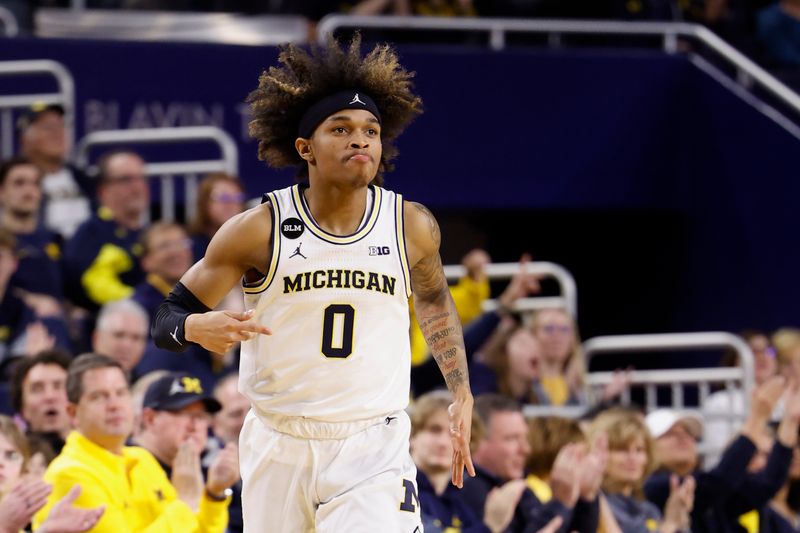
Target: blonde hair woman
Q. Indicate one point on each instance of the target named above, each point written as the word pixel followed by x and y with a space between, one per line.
pixel 630 461
pixel 21 496
pixel 562 369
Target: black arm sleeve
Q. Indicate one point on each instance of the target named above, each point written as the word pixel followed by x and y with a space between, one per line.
pixel 167 328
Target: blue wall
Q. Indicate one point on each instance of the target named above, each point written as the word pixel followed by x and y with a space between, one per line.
pixel 672 201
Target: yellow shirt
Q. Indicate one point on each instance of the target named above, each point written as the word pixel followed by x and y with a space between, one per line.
pixel 556 388
pixel 540 488
pixel 136 493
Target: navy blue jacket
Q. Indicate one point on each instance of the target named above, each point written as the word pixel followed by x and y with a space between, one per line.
pixel 39 267
pixel 531 515
pixel 447 510
pixel 728 491
pixel 101 242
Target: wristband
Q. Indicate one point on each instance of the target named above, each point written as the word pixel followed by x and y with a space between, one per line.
pixel 227 493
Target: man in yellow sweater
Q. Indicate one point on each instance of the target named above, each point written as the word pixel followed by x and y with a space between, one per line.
pixel 126 480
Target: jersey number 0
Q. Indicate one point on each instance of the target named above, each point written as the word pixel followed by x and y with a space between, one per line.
pixel 337 330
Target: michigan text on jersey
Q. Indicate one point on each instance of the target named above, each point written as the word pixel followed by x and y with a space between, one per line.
pixel 339 279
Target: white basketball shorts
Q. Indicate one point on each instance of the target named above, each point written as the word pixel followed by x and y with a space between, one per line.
pixel 307 476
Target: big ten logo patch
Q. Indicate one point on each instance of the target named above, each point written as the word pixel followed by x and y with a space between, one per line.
pixel 378 250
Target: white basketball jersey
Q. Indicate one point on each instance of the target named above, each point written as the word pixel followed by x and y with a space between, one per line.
pixel 338 310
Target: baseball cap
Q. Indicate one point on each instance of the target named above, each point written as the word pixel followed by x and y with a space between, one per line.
pixel 32 114
pixel 177 390
pixel 661 420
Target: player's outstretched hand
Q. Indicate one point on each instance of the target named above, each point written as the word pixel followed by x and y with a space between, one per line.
pixel 460 414
pixel 218 331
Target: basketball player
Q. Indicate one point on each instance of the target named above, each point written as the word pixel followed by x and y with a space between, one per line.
pixel 328 268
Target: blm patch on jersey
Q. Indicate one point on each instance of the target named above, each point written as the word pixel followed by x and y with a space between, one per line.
pixel 292 228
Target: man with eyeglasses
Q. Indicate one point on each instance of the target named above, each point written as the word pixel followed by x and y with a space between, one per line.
pixel 101 261
pixel 166 256
pixel 176 414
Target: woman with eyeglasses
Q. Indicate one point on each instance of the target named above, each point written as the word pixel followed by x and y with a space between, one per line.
pixel 563 371
pixel 22 494
pixel 219 198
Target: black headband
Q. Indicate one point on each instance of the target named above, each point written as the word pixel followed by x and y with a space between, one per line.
pixel 350 99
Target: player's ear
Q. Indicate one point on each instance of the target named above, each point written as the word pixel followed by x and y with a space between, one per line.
pixel 303 147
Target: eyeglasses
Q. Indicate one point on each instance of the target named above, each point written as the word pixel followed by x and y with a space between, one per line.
pixel 769 351
pixel 552 329
pixel 125 179
pixel 228 198
pixel 181 244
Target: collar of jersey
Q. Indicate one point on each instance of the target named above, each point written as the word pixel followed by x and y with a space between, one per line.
pixel 305 213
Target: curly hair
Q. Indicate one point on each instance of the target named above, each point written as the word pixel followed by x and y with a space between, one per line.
pixel 285 92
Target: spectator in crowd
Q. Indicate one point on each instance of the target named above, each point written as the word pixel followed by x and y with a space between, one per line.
pixel 38 248
pixel 67 190
pixel 547 435
pixel 778 29
pixel 500 458
pixel 121 333
pixel 39 396
pixel 228 421
pixel 631 459
pixel 432 452
pixel 734 496
pixel 128 481
pixel 219 197
pixel 138 391
pixel 512 357
pixel 783 513
pixel 175 412
pixel 166 256
pixel 724 492
pixel 226 426
pixel 562 369
pixel 675 435
pixel 787 351
pixel 23 495
pixel 722 408
pixel 29 322
pixel 101 260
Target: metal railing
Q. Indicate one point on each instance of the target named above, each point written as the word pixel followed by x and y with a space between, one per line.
pixel 651 380
pixel 734 380
pixel 8 103
pixel 498 28
pixel 568 298
pixel 10 27
pixel 166 171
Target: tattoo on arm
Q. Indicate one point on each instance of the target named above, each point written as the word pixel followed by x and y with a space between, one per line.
pixel 437 315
